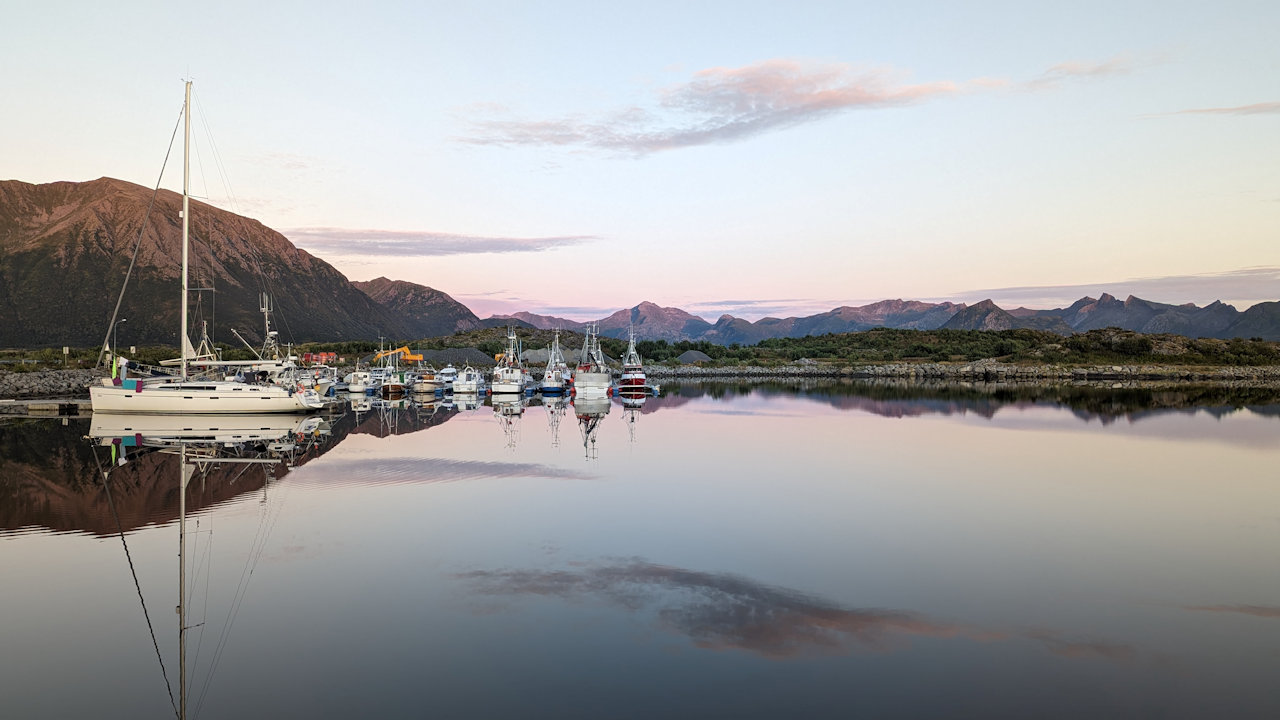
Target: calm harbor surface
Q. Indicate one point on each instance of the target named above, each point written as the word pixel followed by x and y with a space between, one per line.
pixel 746 550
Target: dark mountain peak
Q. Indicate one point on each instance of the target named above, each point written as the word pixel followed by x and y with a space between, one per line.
pixel 985 306
pixel 1106 299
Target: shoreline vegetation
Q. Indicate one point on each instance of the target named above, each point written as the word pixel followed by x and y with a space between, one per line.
pixel 1110 355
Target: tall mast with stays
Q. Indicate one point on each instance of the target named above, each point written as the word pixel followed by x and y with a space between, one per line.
pixel 186 220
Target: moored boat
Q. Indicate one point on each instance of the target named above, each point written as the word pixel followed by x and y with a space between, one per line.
pixel 556 377
pixel 509 374
pixel 184 394
pixel 633 379
pixel 469 380
pixel 591 378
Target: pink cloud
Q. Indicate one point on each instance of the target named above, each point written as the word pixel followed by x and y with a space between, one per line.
pixel 1074 69
pixel 1261 108
pixel 721 105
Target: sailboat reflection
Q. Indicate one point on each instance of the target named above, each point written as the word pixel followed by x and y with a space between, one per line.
pixel 201 444
pixel 589 412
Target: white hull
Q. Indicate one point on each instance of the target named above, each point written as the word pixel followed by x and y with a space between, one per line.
pixel 202 398
pixel 592 384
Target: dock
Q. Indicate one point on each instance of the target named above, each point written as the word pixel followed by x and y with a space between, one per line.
pixel 57 407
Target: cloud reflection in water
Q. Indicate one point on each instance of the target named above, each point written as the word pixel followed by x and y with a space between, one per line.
pixel 724 611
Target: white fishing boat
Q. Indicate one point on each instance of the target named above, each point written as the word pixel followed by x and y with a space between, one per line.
pixel 556 377
pixel 509 374
pixel 469 380
pixel 182 394
pixel 591 378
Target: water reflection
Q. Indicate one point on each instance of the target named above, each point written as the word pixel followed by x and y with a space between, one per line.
pixel 590 411
pixel 721 611
pixel 902 398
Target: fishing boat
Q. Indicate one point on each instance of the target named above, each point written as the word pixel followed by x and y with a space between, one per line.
pixel 184 394
pixel 591 378
pixel 509 374
pixel 446 376
pixel 470 380
pixel 556 377
pixel 358 381
pixel 425 380
pixel 632 368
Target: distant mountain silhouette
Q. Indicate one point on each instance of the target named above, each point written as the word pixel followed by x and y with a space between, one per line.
pixel 1216 320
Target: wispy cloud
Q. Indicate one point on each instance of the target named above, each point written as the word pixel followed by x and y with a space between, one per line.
pixel 1245 286
pixel 1080 70
pixel 755 309
pixel 724 105
pixel 346 241
pixel 1262 611
pixel 720 105
pixel 1262 108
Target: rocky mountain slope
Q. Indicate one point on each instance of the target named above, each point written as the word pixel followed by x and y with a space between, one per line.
pixel 65 248
pixel 430 311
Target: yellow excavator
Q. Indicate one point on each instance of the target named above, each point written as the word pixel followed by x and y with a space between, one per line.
pixel 404 352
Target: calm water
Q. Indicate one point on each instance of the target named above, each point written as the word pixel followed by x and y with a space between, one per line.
pixel 722 550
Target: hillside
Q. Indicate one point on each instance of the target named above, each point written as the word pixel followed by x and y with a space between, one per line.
pixel 65 248
pixel 430 311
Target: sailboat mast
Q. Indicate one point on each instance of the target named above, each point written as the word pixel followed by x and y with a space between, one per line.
pixel 186 220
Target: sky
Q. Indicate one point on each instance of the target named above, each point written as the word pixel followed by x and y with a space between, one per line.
pixel 750 158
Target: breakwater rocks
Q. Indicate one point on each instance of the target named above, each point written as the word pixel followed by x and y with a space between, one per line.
pixel 47 383
pixel 984 371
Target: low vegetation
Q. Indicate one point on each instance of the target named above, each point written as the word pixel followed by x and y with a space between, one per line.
pixel 1109 346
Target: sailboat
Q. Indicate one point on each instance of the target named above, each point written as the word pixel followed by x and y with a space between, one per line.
pixel 182 394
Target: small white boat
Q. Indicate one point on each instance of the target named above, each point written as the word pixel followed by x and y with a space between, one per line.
pixel 358 381
pixel 469 380
pixel 447 375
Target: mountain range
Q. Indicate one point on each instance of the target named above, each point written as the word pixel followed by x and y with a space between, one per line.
pixel 1216 320
pixel 66 247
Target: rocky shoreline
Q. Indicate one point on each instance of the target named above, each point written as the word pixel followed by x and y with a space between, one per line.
pixel 47 384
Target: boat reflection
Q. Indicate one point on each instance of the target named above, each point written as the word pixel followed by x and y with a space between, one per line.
pixel 204 446
pixel 590 411
pixel 555 406
pixel 508 408
pixel 632 404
